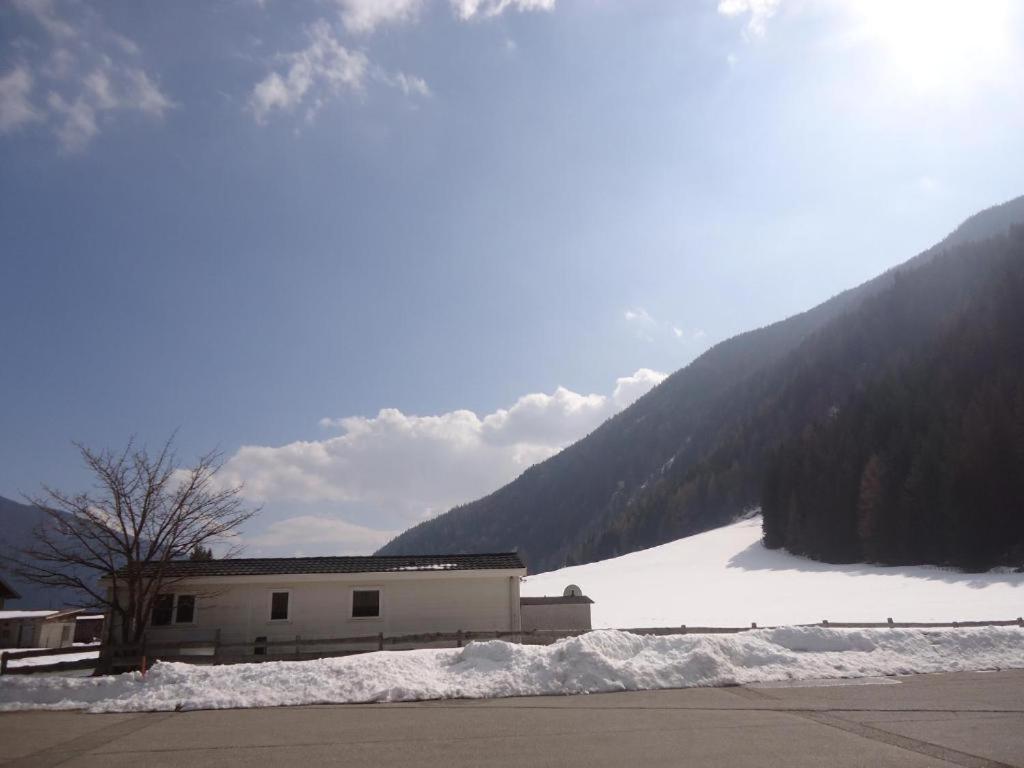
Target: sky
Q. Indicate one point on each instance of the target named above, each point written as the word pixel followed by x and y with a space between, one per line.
pixel 386 254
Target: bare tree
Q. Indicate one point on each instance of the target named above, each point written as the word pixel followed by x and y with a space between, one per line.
pixel 142 513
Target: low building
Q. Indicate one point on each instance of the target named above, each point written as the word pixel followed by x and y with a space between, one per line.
pixel 570 611
pixel 37 629
pixel 252 601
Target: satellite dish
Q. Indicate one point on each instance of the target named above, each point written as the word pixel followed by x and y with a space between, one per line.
pixel 572 591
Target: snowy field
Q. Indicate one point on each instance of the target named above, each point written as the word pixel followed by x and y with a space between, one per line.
pixel 726 577
pixel 599 661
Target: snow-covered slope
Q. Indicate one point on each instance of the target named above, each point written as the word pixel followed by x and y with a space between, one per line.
pixel 725 577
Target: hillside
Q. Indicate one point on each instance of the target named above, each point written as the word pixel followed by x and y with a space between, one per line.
pixel 17 522
pixel 690 454
pixel 726 577
pixel 925 465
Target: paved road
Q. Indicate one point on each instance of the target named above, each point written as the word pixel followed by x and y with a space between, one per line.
pixel 960 719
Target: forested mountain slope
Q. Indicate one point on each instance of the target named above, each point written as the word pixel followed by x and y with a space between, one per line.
pixel 925 464
pixel 691 453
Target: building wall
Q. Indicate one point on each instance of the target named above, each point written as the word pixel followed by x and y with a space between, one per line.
pixel 556 616
pixel 57 634
pixel 410 604
pixel 26 629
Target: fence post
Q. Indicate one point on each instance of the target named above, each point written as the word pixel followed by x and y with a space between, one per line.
pixel 142 653
pixel 216 647
pixel 380 641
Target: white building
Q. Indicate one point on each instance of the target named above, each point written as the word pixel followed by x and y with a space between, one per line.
pixel 37 629
pixel 252 601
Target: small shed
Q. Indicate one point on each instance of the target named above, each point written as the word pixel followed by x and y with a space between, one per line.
pixel 37 629
pixel 570 611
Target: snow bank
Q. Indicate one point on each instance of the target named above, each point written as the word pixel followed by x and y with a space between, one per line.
pixel 40 661
pixel 726 577
pixel 598 661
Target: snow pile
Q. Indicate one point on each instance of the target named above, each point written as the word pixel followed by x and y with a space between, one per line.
pixel 39 661
pixel 726 577
pixel 598 661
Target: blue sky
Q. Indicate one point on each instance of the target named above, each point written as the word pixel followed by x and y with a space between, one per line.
pixel 387 253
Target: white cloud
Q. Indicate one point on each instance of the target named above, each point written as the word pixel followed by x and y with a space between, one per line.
pixel 638 315
pixel 757 11
pixel 325 65
pixel 76 121
pixel 323 69
pixel 43 12
pixel 405 468
pixel 86 71
pixel 363 16
pixel 16 110
pixel 629 389
pixel 411 85
pixel 468 9
pixel 315 534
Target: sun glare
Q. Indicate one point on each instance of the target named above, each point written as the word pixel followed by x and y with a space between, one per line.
pixel 938 45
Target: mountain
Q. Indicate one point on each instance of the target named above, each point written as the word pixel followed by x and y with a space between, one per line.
pixel 691 454
pixel 17 521
pixel 925 464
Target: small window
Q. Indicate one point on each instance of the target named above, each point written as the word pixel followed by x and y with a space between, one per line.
pixel 185 612
pixel 177 609
pixel 279 606
pixel 260 646
pixel 365 603
pixel 163 609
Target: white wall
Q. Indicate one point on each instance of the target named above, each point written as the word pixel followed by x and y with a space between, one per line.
pixel 556 616
pixel 52 634
pixel 410 604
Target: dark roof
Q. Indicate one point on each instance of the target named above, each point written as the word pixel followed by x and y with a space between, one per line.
pixel 569 599
pixel 270 566
pixel 7 591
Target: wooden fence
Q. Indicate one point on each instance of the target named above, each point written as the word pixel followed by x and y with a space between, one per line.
pixel 213 651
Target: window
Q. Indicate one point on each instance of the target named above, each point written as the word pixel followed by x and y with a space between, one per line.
pixel 163 609
pixel 279 606
pixel 260 647
pixel 365 603
pixel 185 611
pixel 177 609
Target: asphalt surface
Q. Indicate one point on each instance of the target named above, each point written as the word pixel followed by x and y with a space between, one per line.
pixel 958 719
